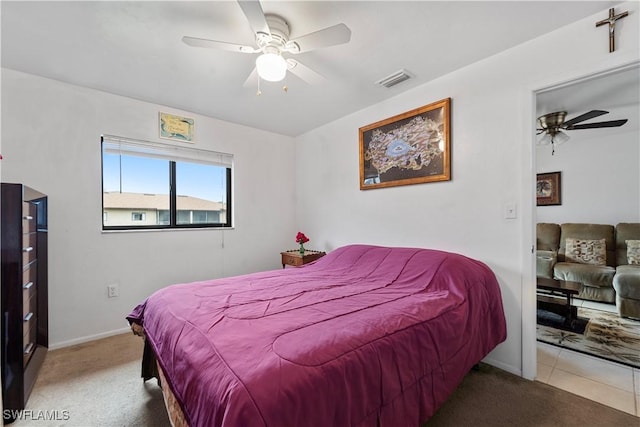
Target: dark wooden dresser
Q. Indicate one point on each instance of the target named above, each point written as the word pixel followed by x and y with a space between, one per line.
pixel 25 330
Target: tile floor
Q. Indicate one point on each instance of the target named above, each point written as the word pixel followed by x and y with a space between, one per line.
pixel 609 383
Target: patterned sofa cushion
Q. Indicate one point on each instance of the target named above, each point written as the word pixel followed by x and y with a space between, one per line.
pixel 633 252
pixel 585 251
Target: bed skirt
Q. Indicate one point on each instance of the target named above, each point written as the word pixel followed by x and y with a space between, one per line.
pixel 151 369
pixel 176 416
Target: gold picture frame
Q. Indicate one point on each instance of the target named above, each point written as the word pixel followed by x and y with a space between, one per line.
pixel 176 128
pixel 548 189
pixel 410 148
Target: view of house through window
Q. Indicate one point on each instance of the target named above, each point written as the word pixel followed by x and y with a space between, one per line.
pixel 147 185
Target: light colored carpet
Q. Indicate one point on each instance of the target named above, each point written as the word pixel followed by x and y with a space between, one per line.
pixel 99 385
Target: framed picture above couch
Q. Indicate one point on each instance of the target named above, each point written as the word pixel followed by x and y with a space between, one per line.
pixel 548 189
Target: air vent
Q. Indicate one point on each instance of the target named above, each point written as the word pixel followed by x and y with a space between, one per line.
pixel 394 79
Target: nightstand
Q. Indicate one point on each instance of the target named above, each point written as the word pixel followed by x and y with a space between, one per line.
pixel 294 258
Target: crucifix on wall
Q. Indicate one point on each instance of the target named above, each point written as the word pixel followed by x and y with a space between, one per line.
pixel 611 20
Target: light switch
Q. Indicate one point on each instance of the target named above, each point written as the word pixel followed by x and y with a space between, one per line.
pixel 510 211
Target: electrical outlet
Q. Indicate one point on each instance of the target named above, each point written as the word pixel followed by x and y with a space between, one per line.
pixel 113 291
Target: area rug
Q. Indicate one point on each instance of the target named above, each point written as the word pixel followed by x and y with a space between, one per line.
pixel 558 321
pixel 606 335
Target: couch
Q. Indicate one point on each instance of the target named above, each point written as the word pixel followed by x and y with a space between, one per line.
pixel 626 282
pixel 595 255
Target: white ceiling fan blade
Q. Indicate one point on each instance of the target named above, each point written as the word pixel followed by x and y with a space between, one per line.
pixel 214 44
pixel 304 73
pixel 330 36
pixel 252 80
pixel 253 11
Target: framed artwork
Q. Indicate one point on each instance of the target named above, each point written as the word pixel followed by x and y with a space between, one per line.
pixel 548 188
pixel 410 148
pixel 176 127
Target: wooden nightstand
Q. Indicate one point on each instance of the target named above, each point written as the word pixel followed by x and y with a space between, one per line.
pixel 294 258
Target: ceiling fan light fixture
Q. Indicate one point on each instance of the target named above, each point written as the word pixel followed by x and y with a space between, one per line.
pixel 271 67
pixel 545 139
pixel 559 138
pixel 555 137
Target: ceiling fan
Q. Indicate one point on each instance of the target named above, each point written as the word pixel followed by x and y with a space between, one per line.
pixel 272 41
pixel 552 124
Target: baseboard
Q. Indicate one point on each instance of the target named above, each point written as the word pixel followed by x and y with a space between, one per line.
pixel 504 366
pixel 88 338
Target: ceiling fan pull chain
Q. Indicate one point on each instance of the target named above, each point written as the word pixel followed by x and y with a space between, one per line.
pixel 259 92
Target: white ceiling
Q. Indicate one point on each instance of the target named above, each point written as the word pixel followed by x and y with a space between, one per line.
pixel 134 49
pixel 609 90
pixel 617 92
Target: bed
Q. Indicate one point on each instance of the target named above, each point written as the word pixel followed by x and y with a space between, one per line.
pixel 365 336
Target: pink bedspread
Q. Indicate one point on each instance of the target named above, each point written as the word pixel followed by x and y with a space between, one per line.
pixel 365 336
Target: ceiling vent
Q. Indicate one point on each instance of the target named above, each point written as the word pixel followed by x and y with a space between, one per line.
pixel 394 79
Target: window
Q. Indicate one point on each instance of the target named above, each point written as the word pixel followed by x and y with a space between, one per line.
pixel 153 185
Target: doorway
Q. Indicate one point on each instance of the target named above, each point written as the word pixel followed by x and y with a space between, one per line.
pixel 599 167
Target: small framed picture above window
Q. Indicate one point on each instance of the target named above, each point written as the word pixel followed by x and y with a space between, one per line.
pixel 176 127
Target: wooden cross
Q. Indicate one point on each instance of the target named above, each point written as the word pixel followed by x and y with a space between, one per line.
pixel 611 20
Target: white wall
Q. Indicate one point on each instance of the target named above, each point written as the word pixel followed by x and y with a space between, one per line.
pixel 51 141
pixel 493 123
pixel 600 177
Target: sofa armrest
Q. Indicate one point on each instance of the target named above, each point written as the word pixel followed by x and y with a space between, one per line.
pixel 545 261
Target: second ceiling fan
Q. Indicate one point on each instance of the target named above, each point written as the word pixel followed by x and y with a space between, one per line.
pixel 272 41
pixel 553 124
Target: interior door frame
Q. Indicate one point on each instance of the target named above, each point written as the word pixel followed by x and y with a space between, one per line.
pixel 528 288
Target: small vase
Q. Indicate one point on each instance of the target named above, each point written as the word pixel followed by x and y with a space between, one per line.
pixel 301 249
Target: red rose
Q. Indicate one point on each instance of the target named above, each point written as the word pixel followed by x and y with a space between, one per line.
pixel 301 238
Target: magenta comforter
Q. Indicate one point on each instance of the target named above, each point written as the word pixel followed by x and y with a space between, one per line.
pixel 365 336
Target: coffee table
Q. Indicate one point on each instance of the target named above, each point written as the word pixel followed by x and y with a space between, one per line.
pixel 556 295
